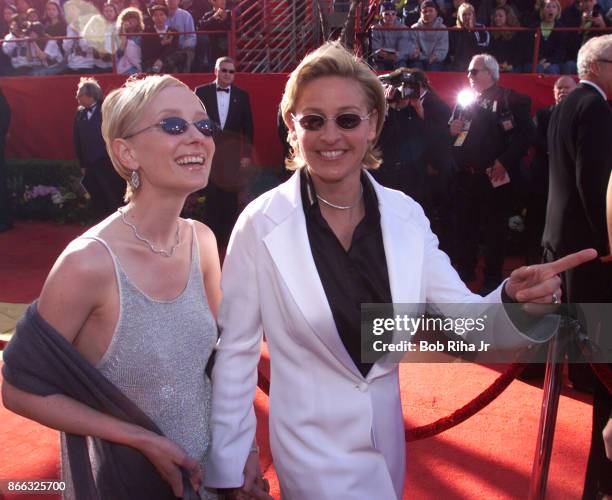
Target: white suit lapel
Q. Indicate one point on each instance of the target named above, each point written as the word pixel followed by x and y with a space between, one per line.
pixel 403 242
pixel 289 248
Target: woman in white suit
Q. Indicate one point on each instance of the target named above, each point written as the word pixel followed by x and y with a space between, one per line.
pixel 301 260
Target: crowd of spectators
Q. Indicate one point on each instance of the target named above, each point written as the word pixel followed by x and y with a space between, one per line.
pixel 85 36
pixel 433 35
pixel 443 35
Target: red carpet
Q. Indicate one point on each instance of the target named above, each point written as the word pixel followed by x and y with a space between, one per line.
pixel 488 456
pixel 27 253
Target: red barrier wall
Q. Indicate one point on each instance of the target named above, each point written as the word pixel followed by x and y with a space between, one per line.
pixel 43 108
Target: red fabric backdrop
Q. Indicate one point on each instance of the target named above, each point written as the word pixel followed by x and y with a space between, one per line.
pixel 43 108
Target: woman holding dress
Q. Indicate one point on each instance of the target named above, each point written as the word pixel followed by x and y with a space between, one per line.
pixel 131 305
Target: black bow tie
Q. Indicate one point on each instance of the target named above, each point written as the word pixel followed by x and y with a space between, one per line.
pixel 219 89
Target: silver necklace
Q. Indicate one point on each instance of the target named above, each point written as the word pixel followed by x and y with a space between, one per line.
pixel 137 235
pixel 342 207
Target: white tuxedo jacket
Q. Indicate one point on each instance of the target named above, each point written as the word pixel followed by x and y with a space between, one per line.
pixel 334 434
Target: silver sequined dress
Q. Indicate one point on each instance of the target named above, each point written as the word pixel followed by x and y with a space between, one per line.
pixel 158 355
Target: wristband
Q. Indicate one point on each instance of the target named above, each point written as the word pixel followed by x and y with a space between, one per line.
pixel 254 449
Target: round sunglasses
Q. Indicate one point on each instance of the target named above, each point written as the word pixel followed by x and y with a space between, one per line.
pixel 178 126
pixel 346 121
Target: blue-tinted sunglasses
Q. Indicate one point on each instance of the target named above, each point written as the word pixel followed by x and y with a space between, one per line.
pixel 178 126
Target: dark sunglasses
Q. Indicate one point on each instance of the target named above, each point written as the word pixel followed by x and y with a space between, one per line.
pixel 230 71
pixel 475 71
pixel 346 121
pixel 178 126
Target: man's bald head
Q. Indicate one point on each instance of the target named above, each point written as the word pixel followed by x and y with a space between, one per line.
pixel 563 86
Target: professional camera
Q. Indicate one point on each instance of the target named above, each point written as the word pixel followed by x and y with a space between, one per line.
pixel 407 85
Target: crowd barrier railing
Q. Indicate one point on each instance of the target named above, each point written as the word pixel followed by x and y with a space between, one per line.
pixel 450 29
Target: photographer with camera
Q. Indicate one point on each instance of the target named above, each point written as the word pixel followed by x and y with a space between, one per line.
pixel 415 146
pixel 491 134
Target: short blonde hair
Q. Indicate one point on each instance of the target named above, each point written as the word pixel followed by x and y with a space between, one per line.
pixel 543 5
pixel 332 59
pixel 462 8
pixel 123 108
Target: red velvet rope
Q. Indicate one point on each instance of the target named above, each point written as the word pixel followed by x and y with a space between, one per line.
pixel 474 406
pixel 499 385
pixel 458 416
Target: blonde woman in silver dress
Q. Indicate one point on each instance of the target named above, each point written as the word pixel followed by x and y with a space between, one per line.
pixel 137 295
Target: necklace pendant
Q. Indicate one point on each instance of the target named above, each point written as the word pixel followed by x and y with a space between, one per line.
pixel 343 207
pixel 158 251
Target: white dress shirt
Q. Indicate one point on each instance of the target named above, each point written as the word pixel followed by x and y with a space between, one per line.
pixel 223 100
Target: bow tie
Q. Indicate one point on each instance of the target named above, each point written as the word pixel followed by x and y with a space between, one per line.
pixel 219 89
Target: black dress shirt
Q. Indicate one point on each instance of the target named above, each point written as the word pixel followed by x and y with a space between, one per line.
pixel 352 277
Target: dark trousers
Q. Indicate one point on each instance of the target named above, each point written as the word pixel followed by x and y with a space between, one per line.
pixel 598 478
pixel 590 283
pixel 105 187
pixel 482 215
pixel 438 203
pixel 5 210
pixel 220 212
pixel 534 226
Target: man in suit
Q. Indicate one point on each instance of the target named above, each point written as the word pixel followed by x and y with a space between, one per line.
pixel 536 209
pixel 6 222
pixel 490 138
pixel 103 184
pixel 229 107
pixel 580 154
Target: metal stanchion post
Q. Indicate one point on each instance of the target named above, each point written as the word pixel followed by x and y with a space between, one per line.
pixel 548 414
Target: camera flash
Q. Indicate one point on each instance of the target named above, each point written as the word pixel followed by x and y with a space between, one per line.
pixel 465 98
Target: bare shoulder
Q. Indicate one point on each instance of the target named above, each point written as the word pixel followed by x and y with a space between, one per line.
pixel 78 283
pixel 206 238
pixel 84 260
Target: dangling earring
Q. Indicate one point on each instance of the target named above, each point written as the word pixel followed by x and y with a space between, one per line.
pixel 135 179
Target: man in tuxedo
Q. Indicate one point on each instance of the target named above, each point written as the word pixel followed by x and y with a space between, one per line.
pixel 580 153
pixel 229 107
pixel 6 222
pixel 103 184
